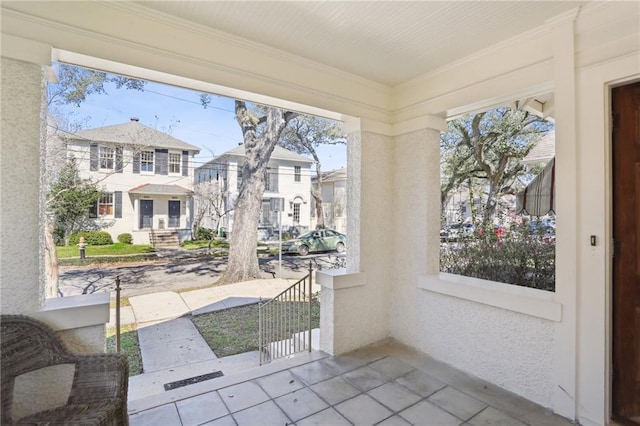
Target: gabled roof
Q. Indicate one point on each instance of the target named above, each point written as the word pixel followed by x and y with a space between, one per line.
pixel 279 153
pixel 132 133
pixel 156 189
pixel 543 151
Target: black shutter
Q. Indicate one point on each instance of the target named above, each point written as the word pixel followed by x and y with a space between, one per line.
pixel 93 157
pixel 117 204
pixel 185 163
pixel 118 159
pixel 136 162
pixel 93 210
pixel 162 162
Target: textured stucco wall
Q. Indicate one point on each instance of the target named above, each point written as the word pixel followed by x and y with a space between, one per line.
pixel 85 340
pixel 417 162
pixel 512 350
pixel 22 90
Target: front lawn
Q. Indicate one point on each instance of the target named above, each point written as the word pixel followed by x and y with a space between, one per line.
pixel 199 244
pixel 129 346
pixel 117 249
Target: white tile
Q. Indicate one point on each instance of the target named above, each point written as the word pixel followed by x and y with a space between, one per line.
pixel 222 421
pixel 243 395
pixel 365 378
pixel 425 413
pixel 363 410
pixel 265 414
pixel 201 408
pixel 391 367
pixel 394 396
pixel 163 415
pixel 300 404
pixel 335 390
pixel 279 384
pixel 457 403
pixel 421 383
pixel 328 417
pixel 493 417
pixel 314 372
pixel 394 421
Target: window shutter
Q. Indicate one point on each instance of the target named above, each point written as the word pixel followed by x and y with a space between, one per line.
pixel 162 162
pixel 136 162
pixel 93 157
pixel 117 204
pixel 185 163
pixel 118 159
pixel 274 180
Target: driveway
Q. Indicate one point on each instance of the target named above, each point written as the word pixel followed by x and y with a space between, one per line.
pixel 175 270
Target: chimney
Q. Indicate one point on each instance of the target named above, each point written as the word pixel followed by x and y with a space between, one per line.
pixel 136 119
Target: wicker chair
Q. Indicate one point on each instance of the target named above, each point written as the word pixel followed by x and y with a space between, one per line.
pixel 99 390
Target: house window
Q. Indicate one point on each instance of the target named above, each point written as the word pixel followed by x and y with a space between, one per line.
pixel 107 157
pixel 146 161
pixel 105 204
pixel 296 213
pixel 174 163
pixel 297 173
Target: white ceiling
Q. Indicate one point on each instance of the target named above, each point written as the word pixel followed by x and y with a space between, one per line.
pixel 388 42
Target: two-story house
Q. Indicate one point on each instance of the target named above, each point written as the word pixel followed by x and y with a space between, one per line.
pixel 334 200
pixel 146 176
pixel 286 190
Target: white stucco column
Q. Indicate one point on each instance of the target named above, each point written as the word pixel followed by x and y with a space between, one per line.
pixel 21 111
pixel 354 302
pixel 416 222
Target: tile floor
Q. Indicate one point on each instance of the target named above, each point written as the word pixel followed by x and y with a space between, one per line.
pixel 386 384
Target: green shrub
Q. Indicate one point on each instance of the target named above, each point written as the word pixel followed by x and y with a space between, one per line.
pixel 93 238
pixel 125 238
pixel 519 257
pixel 204 234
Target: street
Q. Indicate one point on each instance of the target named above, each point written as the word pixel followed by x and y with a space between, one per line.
pixel 176 270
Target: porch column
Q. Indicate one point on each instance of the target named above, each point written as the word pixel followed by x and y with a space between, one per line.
pixel 136 213
pixel 416 222
pixel 22 129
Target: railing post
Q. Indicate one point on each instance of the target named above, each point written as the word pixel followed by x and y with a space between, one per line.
pixel 310 298
pixel 260 329
pixel 118 313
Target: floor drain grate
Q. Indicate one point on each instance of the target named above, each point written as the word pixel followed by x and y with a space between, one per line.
pixel 192 380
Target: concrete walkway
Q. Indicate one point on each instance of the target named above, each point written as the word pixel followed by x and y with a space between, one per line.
pixel 171 347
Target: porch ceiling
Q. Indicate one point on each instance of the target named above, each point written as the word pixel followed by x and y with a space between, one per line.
pixel 389 42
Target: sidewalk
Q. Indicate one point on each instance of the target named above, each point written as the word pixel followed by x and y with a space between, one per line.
pixel 171 347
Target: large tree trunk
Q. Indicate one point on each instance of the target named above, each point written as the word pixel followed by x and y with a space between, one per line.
pixel 243 258
pixel 50 259
pixel 316 193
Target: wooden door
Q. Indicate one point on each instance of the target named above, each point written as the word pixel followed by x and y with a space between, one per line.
pixel 626 263
pixel 146 214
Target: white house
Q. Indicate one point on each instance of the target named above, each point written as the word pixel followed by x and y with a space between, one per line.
pixel 394 78
pixel 287 190
pixel 146 176
pixel 334 200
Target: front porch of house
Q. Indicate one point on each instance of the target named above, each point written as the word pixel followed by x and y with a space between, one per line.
pixel 386 383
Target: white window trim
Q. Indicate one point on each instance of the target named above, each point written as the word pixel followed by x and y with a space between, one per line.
pixel 524 300
pixel 113 157
pixel 179 172
pixel 153 162
pixel 113 206
pixel 297 177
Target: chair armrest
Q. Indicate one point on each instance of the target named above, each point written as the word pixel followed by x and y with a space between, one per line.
pixel 99 377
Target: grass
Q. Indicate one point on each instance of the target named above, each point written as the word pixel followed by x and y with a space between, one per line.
pixel 234 331
pixel 124 301
pixel 117 249
pixel 129 346
pixel 74 261
pixel 199 244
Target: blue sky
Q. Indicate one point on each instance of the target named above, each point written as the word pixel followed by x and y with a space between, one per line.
pixel 178 111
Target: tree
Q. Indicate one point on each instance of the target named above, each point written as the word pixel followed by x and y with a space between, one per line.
pixel 487 149
pixel 261 133
pixel 71 199
pixel 73 87
pixel 209 197
pixel 303 135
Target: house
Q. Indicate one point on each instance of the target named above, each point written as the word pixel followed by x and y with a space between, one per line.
pixel 334 200
pixel 394 79
pixel 146 177
pixel 286 189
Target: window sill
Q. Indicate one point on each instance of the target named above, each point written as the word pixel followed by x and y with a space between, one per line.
pixel 528 301
pixel 66 313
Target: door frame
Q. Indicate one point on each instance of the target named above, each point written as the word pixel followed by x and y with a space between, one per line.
pixel 140 221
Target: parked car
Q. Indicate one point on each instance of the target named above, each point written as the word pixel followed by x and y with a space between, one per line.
pixel 458 231
pixel 316 241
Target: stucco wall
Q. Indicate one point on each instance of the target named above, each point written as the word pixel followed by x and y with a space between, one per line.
pixel 510 349
pixel 22 90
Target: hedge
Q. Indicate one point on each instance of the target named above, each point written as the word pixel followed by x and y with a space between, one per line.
pixel 125 238
pixel 94 238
